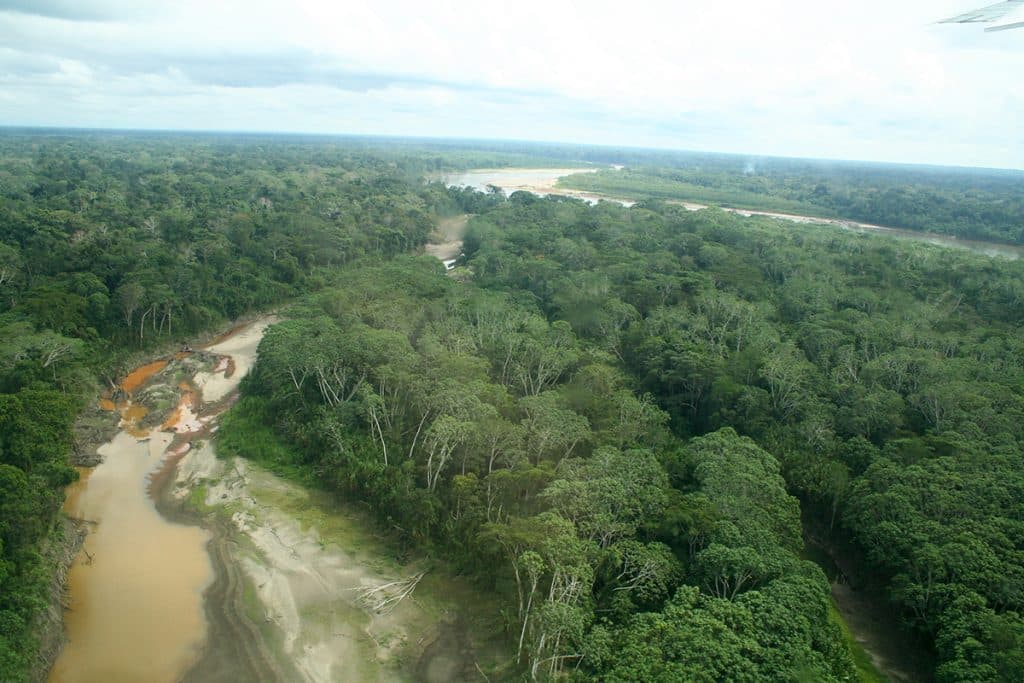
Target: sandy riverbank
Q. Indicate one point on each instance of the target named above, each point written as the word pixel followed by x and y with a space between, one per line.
pixel 538 181
pixel 299 566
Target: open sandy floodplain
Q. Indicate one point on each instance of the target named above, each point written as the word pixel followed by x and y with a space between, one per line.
pixel 539 181
pixel 326 599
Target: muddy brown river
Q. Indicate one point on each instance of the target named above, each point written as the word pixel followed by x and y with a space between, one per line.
pixel 198 568
pixel 136 588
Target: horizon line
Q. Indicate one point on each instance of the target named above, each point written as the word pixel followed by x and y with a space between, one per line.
pixel 493 141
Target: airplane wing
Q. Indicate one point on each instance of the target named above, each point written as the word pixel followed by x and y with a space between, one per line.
pixel 1005 27
pixel 989 15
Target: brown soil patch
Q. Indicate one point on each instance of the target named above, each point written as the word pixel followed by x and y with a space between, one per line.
pixel 136 378
pixel 188 400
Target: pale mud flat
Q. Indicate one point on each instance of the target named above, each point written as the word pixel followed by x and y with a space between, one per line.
pixel 241 348
pixel 539 181
pixel 512 179
pixel 446 241
pixel 308 567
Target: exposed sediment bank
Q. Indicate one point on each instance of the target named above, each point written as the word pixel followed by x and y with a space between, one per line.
pixel 59 552
pixel 446 241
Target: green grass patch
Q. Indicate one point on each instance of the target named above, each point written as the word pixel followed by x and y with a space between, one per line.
pixel 251 602
pixel 335 523
pixel 244 432
pixel 197 498
pixel 866 671
pixel 639 185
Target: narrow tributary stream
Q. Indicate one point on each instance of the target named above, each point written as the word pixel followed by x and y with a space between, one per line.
pixel 895 653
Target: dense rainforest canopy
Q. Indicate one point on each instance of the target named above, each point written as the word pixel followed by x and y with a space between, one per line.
pixel 885 377
pixel 605 418
pixel 612 417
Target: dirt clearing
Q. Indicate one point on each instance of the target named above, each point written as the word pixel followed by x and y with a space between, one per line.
pixel 446 240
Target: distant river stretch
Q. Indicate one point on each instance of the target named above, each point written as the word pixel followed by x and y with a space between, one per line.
pixel 543 181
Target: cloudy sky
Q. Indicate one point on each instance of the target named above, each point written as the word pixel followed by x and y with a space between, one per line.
pixel 865 79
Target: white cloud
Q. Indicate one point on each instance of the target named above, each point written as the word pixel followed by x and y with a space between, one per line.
pixel 870 79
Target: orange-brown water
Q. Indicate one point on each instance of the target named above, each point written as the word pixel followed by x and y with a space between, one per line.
pixel 136 589
pixel 187 402
pixel 131 416
pixel 136 378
